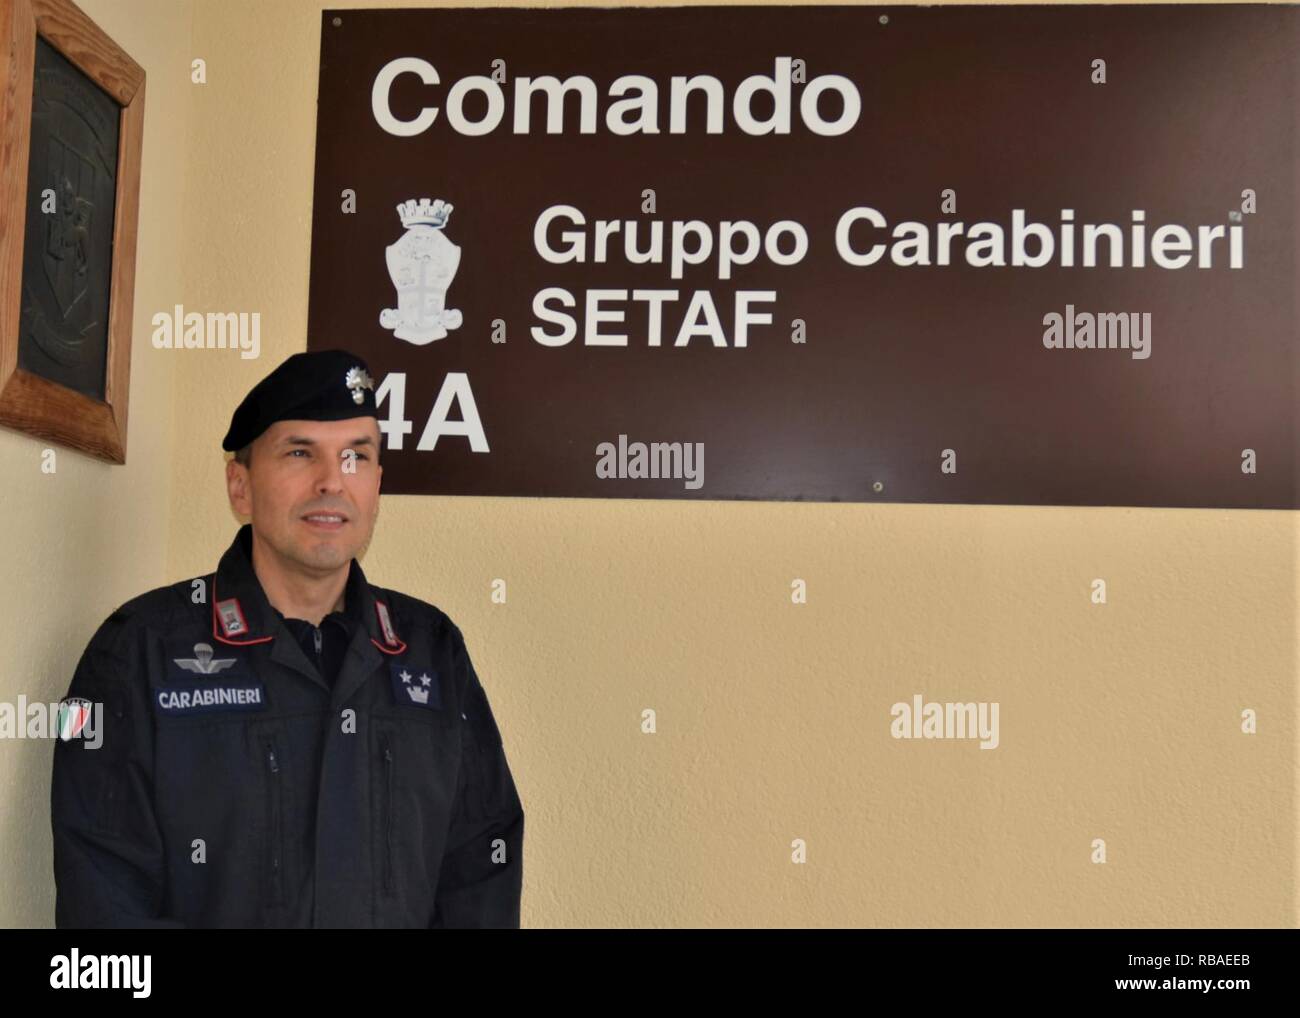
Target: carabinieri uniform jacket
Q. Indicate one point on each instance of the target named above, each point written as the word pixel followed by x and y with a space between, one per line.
pixel 233 787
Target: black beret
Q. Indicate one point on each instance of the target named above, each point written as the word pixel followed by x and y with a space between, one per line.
pixel 321 385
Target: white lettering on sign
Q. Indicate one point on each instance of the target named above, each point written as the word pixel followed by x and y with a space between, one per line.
pixel 639 114
pixel 455 389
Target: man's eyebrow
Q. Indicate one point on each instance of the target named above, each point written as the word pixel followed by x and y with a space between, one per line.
pixel 303 440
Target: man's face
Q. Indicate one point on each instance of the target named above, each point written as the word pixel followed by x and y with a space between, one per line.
pixel 311 491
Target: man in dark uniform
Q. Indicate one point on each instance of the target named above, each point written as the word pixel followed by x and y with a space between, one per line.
pixel 284 744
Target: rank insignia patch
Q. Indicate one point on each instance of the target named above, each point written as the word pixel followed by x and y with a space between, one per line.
pixel 416 687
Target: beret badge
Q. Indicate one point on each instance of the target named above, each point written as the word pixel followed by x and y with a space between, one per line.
pixel 356 380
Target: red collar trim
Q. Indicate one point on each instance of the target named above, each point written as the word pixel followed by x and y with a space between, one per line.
pixel 400 650
pixel 228 619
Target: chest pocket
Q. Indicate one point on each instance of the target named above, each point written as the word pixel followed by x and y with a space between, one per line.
pixel 414 766
pixel 240 782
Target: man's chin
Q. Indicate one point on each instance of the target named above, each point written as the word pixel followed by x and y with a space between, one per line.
pixel 325 554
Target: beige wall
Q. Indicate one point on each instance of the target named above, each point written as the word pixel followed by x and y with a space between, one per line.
pixel 1118 722
pixel 82 540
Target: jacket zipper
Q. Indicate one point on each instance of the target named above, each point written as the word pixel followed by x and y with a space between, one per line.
pixel 388 813
pixel 274 822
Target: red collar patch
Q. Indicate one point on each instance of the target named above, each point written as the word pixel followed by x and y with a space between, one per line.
pixel 230 617
pixel 395 646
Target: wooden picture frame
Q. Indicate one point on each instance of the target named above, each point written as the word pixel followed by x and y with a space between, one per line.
pixel 31 402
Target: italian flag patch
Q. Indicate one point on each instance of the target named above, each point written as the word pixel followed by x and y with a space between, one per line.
pixel 74 712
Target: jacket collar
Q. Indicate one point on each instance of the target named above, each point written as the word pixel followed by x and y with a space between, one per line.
pixel 241 614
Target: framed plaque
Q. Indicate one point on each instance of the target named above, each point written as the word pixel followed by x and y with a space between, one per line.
pixel 72 122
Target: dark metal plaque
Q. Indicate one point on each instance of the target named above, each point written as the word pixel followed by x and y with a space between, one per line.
pixel 68 246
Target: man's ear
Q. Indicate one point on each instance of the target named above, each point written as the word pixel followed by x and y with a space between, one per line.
pixel 237 488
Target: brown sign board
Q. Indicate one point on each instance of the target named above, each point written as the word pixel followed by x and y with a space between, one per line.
pixel 1015 255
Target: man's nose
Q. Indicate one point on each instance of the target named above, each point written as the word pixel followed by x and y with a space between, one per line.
pixel 330 476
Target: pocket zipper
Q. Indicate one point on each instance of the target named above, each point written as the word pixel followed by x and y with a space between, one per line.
pixel 274 833
pixel 388 814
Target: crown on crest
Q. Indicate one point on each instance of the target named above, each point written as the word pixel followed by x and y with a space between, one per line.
pixel 425 212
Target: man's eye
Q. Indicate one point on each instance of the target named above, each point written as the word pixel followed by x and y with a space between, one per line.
pixel 294 452
pixel 360 456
